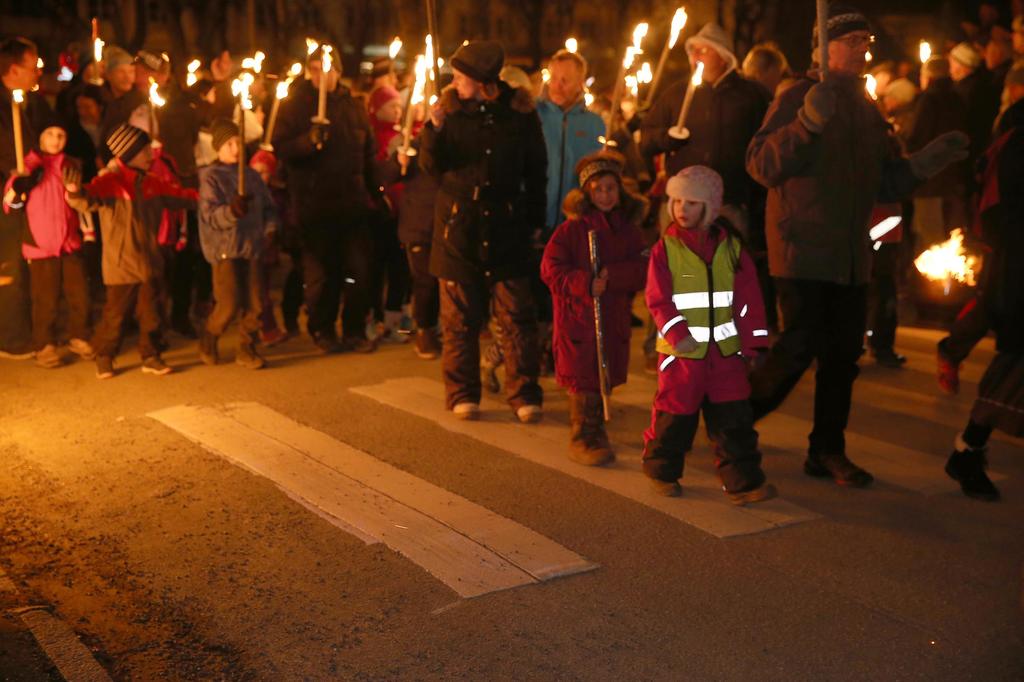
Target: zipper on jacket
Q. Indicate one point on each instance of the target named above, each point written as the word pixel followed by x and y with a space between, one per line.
pixel 711 304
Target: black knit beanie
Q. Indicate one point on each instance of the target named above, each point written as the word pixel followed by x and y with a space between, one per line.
pixel 842 19
pixel 222 130
pixel 481 60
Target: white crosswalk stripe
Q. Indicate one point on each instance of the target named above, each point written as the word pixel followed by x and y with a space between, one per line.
pixel 467 547
pixel 703 504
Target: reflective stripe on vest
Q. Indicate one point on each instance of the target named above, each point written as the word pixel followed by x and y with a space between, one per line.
pixel 703 297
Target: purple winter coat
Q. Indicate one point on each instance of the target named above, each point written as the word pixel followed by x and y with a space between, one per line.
pixel 565 268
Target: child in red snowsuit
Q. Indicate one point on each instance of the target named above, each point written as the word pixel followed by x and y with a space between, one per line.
pixel 52 247
pixel 603 206
pixel 703 293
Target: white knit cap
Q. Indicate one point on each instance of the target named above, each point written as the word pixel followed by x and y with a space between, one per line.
pixel 715 37
pixel 698 183
pixel 966 55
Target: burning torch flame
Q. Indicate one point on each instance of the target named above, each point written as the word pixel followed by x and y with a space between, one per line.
pixel 421 80
pixel 645 75
pixel 948 261
pixel 639 33
pixel 311 46
pixel 678 24
pixel 18 95
pixel 193 66
pixel 631 53
pixel 395 47
pixel 871 85
pixel 698 74
pixel 868 56
pixel 296 70
pixel 588 99
pixel 39 63
pixel 631 84
pixel 97 50
pixel 545 75
pixel 429 53
pixel 572 45
pixel 326 61
pixel 282 88
pixel 154 96
pixel 240 89
pixel 925 51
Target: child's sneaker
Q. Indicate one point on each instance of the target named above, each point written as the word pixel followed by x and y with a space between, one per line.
pixel 48 357
pixel 467 411
pixel 765 491
pixel 154 365
pixel 529 414
pixel 81 348
pixel 666 488
pixel 104 367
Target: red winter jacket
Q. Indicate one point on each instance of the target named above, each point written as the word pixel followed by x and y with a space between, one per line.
pixel 565 268
pixel 684 383
pixel 53 224
pixel 172 223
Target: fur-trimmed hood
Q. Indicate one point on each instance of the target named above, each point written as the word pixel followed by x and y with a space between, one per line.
pixel 633 205
pixel 518 99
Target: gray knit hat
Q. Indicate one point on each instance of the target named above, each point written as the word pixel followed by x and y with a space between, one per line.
pixel 126 141
pixel 222 130
pixel 842 19
pixel 114 56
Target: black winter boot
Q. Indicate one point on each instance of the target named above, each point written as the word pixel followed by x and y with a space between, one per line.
pixel 208 348
pixel 248 357
pixel 967 466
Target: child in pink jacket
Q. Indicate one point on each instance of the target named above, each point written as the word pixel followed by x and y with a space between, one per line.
pixel 604 207
pixel 703 294
pixel 52 247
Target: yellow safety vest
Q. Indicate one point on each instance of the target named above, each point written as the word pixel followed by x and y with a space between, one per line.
pixel 703 295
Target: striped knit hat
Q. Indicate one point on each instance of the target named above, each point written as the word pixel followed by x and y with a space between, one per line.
pixel 126 141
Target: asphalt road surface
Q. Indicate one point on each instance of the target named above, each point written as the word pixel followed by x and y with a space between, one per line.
pixel 325 519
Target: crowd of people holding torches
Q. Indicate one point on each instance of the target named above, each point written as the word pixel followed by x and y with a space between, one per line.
pixel 492 217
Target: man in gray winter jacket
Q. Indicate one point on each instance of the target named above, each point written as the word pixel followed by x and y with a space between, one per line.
pixel 823 153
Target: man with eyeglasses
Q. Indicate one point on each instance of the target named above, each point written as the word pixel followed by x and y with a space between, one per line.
pixel 18 71
pixel 825 155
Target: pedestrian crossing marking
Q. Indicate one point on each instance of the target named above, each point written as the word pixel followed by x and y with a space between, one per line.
pixel 703 504
pixel 467 547
pixel 907 468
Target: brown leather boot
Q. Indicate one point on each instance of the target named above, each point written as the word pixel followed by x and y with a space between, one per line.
pixel 589 444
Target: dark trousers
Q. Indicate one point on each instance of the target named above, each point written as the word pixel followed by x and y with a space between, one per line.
pixel 730 427
pixel 464 308
pixel 970 327
pixel 292 294
pixel 185 272
pixel 237 290
pixel 390 274
pixel 883 298
pixel 823 322
pixel 334 261
pixel 48 278
pixel 15 320
pixel 121 299
pixel 426 303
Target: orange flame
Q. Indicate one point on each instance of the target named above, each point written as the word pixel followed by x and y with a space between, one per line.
pixel 948 261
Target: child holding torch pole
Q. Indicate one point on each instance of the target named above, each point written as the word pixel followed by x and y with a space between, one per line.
pixel 604 211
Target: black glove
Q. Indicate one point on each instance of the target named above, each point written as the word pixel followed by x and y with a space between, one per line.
pixel 240 205
pixel 819 107
pixel 23 184
pixel 319 134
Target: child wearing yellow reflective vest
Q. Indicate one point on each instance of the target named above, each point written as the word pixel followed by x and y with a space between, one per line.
pixel 703 294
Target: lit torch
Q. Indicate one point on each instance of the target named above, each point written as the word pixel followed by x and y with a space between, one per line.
pixel 679 131
pixel 281 93
pixel 155 102
pixel 572 45
pixel 924 51
pixel 415 97
pixel 678 23
pixel 428 53
pixel 871 85
pixel 240 89
pixel 948 261
pixel 639 33
pixel 255 62
pixel 97 50
pixel 325 68
pixel 17 99
pixel 193 66
pixel 395 47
